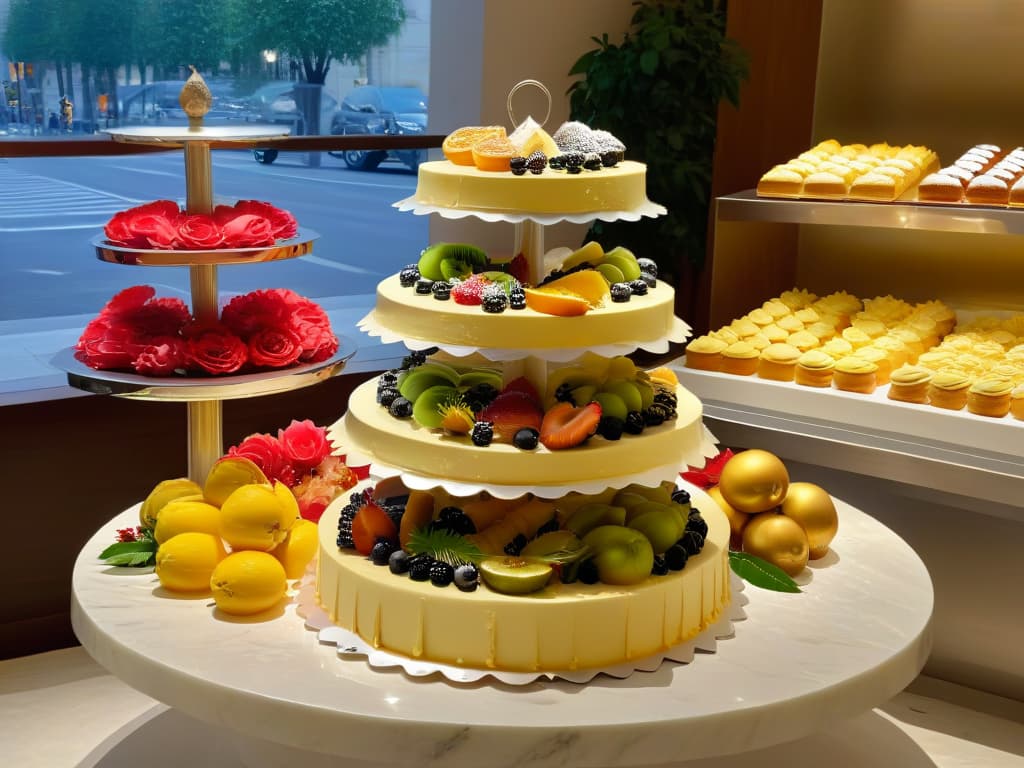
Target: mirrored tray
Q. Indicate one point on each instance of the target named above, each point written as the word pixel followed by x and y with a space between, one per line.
pixel 188 389
pixel 297 246
pixel 182 134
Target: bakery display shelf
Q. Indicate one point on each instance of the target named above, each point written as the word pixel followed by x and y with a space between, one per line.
pixel 747 206
pixel 300 245
pixel 180 135
pixel 192 389
pixel 861 626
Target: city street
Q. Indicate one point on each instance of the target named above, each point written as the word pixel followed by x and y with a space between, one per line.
pixel 50 208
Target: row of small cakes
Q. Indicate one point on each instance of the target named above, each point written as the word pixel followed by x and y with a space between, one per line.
pixel 879 172
pixel 985 174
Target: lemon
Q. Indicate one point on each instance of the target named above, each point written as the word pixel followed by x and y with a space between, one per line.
pixel 298 548
pixel 184 563
pixel 228 474
pixel 186 516
pixel 244 583
pixel 256 516
pixel 165 491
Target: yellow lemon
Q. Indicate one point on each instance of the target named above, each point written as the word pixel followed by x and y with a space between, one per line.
pixel 257 516
pixel 165 491
pixel 186 516
pixel 244 583
pixel 184 563
pixel 228 474
pixel 298 548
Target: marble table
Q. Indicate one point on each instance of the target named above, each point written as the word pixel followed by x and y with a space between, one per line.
pixel 799 663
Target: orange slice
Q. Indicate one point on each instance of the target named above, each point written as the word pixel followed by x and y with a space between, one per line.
pixel 493 154
pixel 587 283
pixel 458 145
pixel 556 302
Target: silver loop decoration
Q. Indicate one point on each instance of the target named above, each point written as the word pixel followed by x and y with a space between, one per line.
pixel 522 84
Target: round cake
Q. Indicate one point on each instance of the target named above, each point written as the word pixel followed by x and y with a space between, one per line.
pixel 561 627
pixel 443 184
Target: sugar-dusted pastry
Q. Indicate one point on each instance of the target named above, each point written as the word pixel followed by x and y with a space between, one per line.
pixel 1017 402
pixel 855 374
pixel 972 165
pixel 909 384
pixel 940 188
pixel 948 389
pixel 987 190
pixel 1017 192
pixel 705 353
pixel 814 369
pixel 880 359
pixel 956 172
pixel 778 362
pixel 740 359
pixel 990 396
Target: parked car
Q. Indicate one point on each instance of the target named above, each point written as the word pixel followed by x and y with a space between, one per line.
pixel 377 110
pixel 157 103
pixel 275 103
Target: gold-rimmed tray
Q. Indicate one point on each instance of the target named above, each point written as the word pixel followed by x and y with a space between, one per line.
pixel 300 245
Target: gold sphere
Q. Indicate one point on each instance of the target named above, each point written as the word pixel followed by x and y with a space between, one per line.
pixel 812 507
pixel 754 481
pixel 777 539
pixel 737 520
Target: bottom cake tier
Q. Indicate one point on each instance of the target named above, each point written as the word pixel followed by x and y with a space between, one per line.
pixel 561 627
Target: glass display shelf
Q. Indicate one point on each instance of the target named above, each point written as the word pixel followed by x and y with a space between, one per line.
pixel 300 245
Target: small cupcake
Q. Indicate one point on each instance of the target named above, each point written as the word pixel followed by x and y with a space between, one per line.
pixel 761 317
pixel 1017 403
pixel 824 331
pixel 856 337
pixel 895 349
pixel 814 369
pixel 909 384
pixel 948 389
pixel 798 298
pixel 774 334
pixel 790 324
pixel 775 308
pixel 705 353
pixel 855 374
pixel 807 316
pixel 740 359
pixel 936 359
pixel 837 348
pixel 880 359
pixel 990 397
pixel 911 338
pixel 778 362
pixel 758 341
pixel 725 334
pixel 744 327
pixel 803 340
pixel 873 328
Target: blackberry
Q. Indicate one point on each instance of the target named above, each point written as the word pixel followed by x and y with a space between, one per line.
pixel 441 574
pixel 692 542
pixel 348 513
pixel 639 287
pixel 554 275
pixel 697 523
pixel 394 512
pixel 400 408
pixel 399 562
pixel 424 287
pixel 588 573
pixel 556 163
pixel 442 290
pixel 563 394
pixel 519 171
pixel 634 423
pixel 482 434
pixel 466 577
pixel 676 557
pixel 573 169
pixel 537 162
pixel 381 552
pixel 621 292
pixel 526 439
pixel 479 396
pixel 650 266
pixel 517 298
pixel 681 496
pixel 495 303
pixel 549 527
pixel 413 359
pixel 573 160
pixel 517 162
pixel 419 567
pixel 408 276
pixel 611 427
pixel 592 161
pixel 653 417
pixel 387 396
pixel 388 379
pixel 649 280
pixel 457 521
pixel 660 567
pixel 665 397
pixel 610 158
pixel 514 547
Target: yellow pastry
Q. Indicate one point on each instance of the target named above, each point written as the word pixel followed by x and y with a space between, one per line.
pixel 895 349
pixel 778 362
pixel 880 359
pixel 1017 403
pixel 803 340
pixel 725 334
pixel 789 324
pixel 855 374
pixel 775 308
pixel 758 341
pixel 824 331
pixel 909 384
pixel 744 327
pixel 774 333
pixel 873 328
pixel 990 397
pixel 837 348
pixel 705 353
pixel 780 181
pixel 740 358
pixel 948 389
pixel 807 315
pixel 798 298
pixel 761 317
pixel 936 359
pixel 856 337
pixel 912 340
pixel 814 369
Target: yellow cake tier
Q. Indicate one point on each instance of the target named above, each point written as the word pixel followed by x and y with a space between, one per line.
pixel 446 185
pixel 413 316
pixel 369 430
pixel 562 627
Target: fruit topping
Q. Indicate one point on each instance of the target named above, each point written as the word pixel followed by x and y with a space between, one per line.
pixel 382 550
pixel 556 302
pixel 565 426
pixel 621 292
pixel 515 546
pixel 519 268
pixel 611 428
pixel 523 386
pixel 592 161
pixel 467 577
pixel 494 302
pixel 482 434
pixel 537 162
pixel 419 567
pixel 660 567
pixel 588 573
pixel 371 523
pixel 676 557
pixel 480 395
pixel 470 292
pixel 526 439
pixel 681 496
pixel 494 153
pixel 648 266
pixel 634 423
pixel 639 287
pixel 441 574
pixel 454 520
pixel 692 541
pixel 697 523
pixel 509 413
pixel 458 145
pixel 517 298
pixel 623 556
pixel 514 576
pixel 424 287
pixel 456 417
pixel 442 291
pixel 398 562
pixel 517 163
pixel 409 275
pixel 443 261
pixel 400 408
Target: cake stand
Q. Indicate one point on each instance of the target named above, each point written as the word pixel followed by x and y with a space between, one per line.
pixel 857 635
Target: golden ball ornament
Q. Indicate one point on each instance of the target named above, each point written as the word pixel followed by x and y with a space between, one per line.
pixel 779 540
pixel 754 481
pixel 737 520
pixel 812 507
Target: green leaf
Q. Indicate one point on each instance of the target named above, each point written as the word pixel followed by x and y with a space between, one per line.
pixel 132 559
pixel 146 545
pixel 444 545
pixel 761 573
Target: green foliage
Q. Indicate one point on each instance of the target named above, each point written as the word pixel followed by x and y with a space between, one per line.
pixel 659 91
pixel 761 573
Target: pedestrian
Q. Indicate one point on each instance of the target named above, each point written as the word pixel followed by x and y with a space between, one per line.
pixel 66 112
pixel 53 124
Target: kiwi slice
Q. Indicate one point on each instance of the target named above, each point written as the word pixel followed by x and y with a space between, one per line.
pixel 513 575
pixel 426 410
pixel 432 258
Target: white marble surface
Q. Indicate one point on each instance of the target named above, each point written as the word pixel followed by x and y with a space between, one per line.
pixel 799 664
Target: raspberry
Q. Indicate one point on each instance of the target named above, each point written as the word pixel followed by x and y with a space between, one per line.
pixel 470 291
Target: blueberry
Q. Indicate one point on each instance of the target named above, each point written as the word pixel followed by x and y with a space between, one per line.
pixel 648 265
pixel 517 162
pixel 526 438
pixel 588 573
pixel 400 408
pixel 639 287
pixel 649 279
pixel 398 562
pixel 409 275
pixel 676 557
pixel 482 434
pixel 692 542
pixel 660 567
pixel 697 523
pixel 621 292
pixel 424 287
pixel 681 496
pixel 419 567
pixel 467 577
pixel 441 574
pixel 563 394
pixel 610 427
pixel 574 169
pixel 634 423
pixel 381 551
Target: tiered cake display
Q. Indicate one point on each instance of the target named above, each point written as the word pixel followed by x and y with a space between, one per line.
pixel 498 450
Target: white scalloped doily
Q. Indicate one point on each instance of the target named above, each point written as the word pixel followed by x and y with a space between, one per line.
pixel 647 208
pixel 679 333
pixel 350 645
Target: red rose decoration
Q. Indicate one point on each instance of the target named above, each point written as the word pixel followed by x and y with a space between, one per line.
pixel 107 347
pixel 163 358
pixel 267 454
pixel 128 301
pixel 160 317
pixel 258 309
pixel 167 209
pixel 274 348
pixel 218 351
pixel 305 444
pixel 247 231
pixel 282 223
pixel 158 232
pixel 199 233
pixel 119 231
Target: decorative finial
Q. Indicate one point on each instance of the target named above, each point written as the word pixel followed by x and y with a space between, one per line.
pixel 195 99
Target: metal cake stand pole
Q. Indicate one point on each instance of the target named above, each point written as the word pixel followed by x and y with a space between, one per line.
pixel 529 241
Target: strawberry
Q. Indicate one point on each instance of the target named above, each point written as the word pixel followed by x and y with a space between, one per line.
pixel 565 426
pixel 470 291
pixel 371 523
pixel 508 413
pixel 519 269
pixel 523 385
